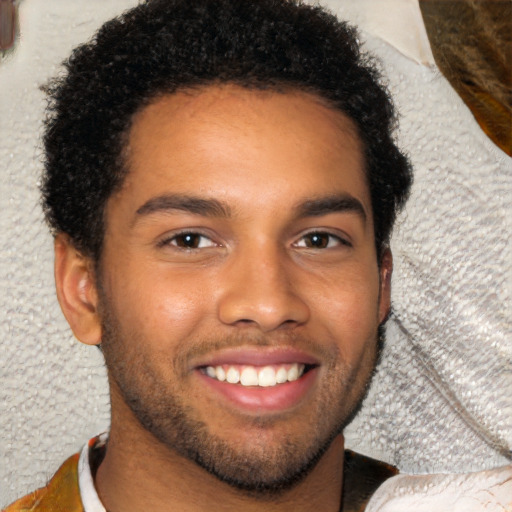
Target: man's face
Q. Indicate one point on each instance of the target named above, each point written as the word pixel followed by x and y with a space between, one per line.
pixel 241 246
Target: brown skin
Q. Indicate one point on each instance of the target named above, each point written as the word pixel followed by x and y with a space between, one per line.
pixel 254 280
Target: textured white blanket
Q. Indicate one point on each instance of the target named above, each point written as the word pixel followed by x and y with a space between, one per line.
pixel 485 491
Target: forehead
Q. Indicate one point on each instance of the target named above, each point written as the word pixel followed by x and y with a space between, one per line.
pixel 223 139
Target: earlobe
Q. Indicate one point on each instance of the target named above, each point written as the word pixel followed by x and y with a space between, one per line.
pixel 386 271
pixel 76 291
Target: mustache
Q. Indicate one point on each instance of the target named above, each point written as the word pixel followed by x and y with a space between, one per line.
pixel 191 350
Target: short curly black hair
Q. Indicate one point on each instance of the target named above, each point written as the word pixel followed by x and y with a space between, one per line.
pixel 162 46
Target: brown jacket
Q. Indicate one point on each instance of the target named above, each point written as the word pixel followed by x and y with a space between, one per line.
pixel 362 477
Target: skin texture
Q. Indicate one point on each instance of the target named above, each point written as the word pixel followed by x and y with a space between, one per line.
pixel 253 280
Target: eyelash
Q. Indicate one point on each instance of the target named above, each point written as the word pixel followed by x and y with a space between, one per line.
pixel 340 241
pixel 169 240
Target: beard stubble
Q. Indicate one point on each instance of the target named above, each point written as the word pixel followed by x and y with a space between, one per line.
pixel 262 470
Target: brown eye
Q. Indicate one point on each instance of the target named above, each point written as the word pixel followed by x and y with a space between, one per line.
pixel 317 240
pixel 188 241
pixel 321 240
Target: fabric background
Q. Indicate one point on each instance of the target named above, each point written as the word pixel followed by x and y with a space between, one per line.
pixel 441 399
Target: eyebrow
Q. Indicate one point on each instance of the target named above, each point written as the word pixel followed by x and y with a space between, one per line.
pixel 213 208
pixel 195 205
pixel 331 204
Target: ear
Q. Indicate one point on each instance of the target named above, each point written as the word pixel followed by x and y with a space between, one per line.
pixel 385 271
pixel 76 291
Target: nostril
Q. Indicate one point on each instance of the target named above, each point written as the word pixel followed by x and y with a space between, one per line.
pixel 245 321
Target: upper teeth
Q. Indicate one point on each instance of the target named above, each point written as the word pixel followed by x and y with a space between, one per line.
pixel 256 376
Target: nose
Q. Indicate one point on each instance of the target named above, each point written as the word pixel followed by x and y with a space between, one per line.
pixel 259 290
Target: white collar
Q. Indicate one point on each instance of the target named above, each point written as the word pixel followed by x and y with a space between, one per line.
pixel 90 499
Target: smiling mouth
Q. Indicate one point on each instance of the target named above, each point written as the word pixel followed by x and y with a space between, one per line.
pixel 257 376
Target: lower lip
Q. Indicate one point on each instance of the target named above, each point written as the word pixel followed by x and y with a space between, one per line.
pixel 263 399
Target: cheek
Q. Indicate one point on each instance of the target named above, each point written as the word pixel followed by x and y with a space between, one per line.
pixel 350 313
pixel 160 304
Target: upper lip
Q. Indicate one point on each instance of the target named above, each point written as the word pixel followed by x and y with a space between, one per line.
pixel 256 356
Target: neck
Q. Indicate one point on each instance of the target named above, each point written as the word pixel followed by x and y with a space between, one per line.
pixel 139 473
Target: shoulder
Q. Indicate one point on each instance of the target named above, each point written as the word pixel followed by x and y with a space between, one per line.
pixel 60 495
pixel 362 476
